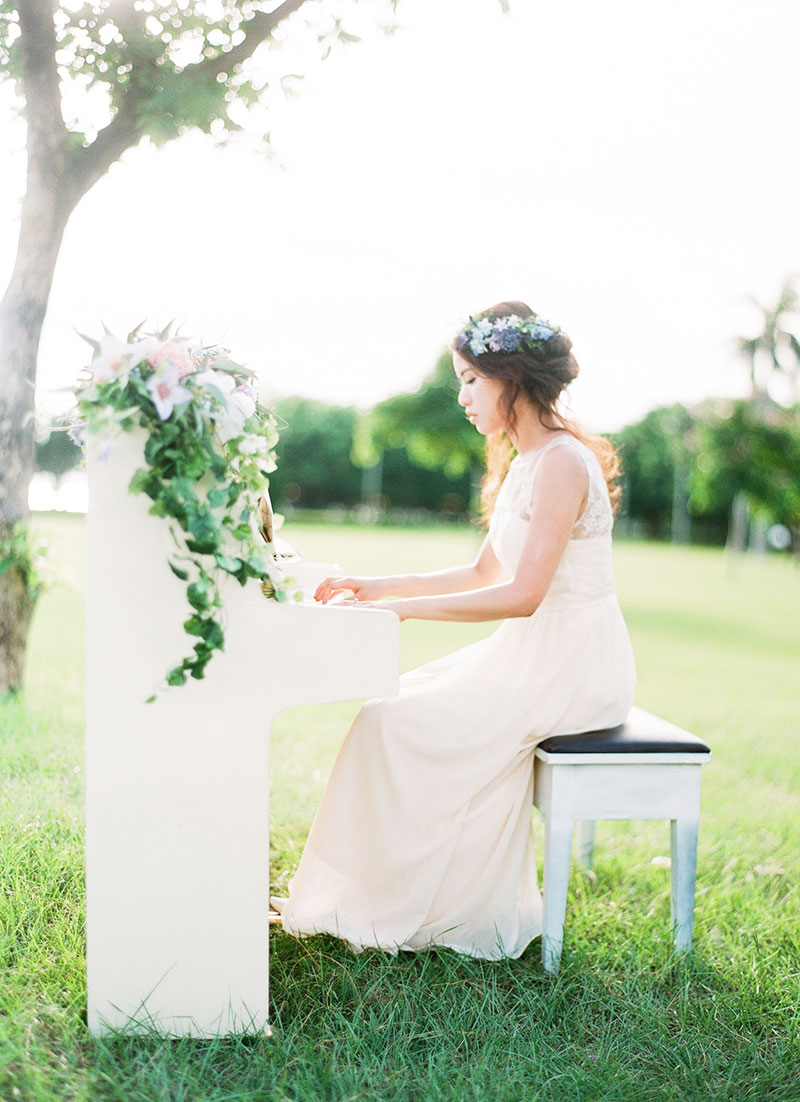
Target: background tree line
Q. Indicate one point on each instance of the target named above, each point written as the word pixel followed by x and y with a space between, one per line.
pixel 721 470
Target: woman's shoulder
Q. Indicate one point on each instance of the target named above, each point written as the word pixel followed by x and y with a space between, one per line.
pixel 563 459
pixel 562 450
pixel 565 465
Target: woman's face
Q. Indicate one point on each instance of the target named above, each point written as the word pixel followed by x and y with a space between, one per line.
pixel 480 396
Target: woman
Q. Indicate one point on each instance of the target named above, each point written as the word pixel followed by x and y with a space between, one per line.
pixel 423 835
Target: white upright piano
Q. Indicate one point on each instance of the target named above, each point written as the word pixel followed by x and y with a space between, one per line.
pixel 177 800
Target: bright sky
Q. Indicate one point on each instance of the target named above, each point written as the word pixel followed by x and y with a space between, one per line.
pixel 629 169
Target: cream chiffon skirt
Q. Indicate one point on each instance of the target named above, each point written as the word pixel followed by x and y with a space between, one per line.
pixel 423 835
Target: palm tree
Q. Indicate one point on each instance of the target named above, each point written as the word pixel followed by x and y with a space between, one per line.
pixel 776 346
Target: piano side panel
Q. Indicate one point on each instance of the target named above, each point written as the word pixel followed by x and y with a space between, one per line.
pixel 177 817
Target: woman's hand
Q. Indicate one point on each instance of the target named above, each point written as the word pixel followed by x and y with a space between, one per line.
pixel 362 589
pixel 400 608
pixel 365 593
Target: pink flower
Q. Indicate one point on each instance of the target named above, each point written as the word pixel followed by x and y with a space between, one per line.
pixel 171 353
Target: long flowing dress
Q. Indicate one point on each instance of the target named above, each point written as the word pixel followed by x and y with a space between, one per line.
pixel 423 835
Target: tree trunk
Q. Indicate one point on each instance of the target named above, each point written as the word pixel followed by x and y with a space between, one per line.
pixel 45 210
pixel 22 314
pixel 738 525
pixel 681 522
pixel 16 609
pixel 757 537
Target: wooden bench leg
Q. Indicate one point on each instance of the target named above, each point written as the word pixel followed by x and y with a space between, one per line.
pixel 682 880
pixel 585 843
pixel 557 852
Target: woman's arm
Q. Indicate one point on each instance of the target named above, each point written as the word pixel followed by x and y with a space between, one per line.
pixel 483 571
pixel 559 495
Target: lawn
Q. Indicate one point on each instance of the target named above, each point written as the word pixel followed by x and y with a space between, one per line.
pixel 718 652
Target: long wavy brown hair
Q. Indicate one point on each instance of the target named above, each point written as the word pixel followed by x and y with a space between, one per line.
pixel 541 374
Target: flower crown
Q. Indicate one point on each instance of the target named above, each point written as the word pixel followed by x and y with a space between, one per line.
pixel 507 334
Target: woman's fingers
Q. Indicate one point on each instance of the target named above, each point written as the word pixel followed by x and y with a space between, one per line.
pixel 330 586
pixel 363 589
pixel 324 590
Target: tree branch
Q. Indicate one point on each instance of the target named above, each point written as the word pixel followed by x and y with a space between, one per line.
pixel 257 29
pixel 89 164
pixel 125 129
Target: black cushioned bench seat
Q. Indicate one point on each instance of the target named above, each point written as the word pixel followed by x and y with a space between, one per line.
pixel 641 733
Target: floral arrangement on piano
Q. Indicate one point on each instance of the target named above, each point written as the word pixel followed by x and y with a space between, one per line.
pixel 208 453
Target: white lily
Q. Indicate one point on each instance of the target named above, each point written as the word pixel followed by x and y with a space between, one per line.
pixel 252 445
pixel 166 391
pixel 239 407
pixel 116 358
pixel 218 379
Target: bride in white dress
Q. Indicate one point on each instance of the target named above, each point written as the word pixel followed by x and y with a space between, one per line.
pixel 423 834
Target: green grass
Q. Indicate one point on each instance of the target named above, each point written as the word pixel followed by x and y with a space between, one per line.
pixel 718 651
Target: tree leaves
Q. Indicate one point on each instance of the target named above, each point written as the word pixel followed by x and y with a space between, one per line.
pixel 429 423
pixel 754 449
pixel 172 67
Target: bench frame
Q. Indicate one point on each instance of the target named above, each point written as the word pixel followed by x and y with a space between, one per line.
pixel 584 787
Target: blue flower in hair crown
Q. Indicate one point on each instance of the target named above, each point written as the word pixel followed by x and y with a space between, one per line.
pixel 507 334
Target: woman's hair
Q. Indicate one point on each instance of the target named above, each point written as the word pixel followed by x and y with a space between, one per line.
pixel 540 369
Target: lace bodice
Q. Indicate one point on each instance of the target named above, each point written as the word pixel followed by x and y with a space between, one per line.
pixel 596 519
pixel 585 567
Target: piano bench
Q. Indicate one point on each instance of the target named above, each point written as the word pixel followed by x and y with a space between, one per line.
pixel 645 768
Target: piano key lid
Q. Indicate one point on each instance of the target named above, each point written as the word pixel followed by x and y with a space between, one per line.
pixel 282 551
pixel 280 548
pixel 305 575
pixel 267 518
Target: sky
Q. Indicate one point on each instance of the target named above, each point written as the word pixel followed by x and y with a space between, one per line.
pixel 630 169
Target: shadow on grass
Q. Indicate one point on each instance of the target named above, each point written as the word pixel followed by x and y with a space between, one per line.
pixel 635 1024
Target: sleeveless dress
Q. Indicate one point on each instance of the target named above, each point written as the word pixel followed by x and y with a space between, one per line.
pixel 423 835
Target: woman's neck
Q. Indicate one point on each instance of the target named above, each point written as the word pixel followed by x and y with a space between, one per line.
pixel 529 434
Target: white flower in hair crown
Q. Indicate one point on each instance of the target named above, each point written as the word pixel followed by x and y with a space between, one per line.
pixel 507 334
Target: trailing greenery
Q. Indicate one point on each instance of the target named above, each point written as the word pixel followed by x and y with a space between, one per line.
pixel 26 550
pixel 208 454
pixel 623 1021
